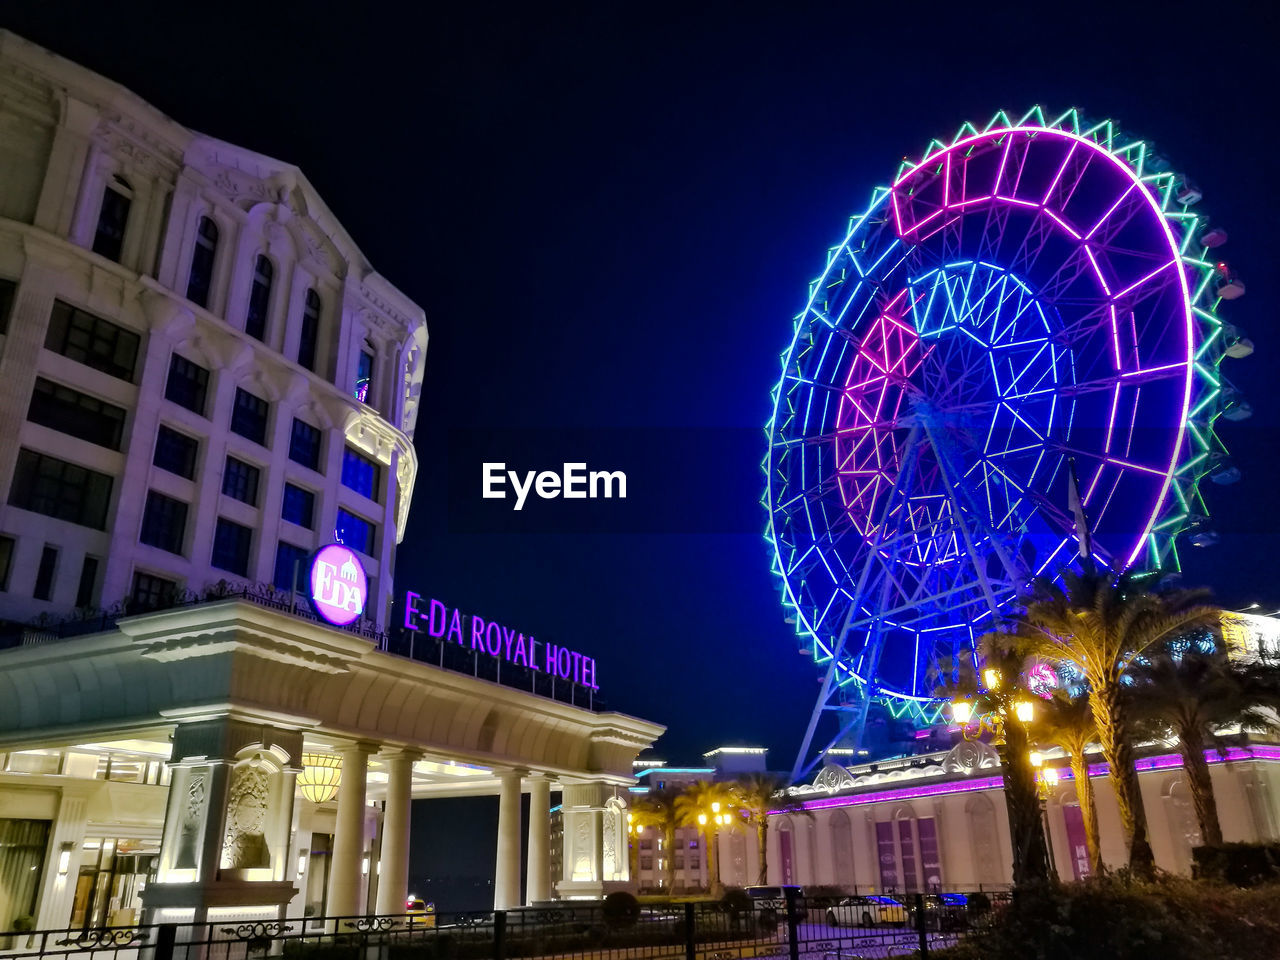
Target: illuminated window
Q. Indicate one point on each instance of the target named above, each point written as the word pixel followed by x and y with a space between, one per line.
pixel 355 532
pixel 90 340
pixel 200 279
pixel 360 474
pixel 108 239
pixel 364 373
pixel 255 321
pixel 299 506
pixel 310 335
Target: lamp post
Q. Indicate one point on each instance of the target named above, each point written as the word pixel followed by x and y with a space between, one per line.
pixel 633 856
pixel 1046 781
pixel 1003 713
pixel 711 825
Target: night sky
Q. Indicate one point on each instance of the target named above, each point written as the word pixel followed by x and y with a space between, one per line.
pixel 610 216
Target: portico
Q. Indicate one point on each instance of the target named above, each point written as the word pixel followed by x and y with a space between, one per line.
pixel 234 704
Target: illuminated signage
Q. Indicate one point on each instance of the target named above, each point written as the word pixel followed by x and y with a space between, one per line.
pixel 339 586
pixel 497 640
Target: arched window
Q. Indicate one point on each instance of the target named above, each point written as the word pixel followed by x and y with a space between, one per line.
pixel 255 321
pixel 364 373
pixel 310 335
pixel 786 850
pixel 108 239
pixel 980 813
pixel 201 278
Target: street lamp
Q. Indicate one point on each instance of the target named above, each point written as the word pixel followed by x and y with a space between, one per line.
pixel 1046 779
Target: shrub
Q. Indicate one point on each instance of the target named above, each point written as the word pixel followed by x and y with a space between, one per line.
pixel 736 901
pixel 621 910
pixel 1121 918
pixel 1242 864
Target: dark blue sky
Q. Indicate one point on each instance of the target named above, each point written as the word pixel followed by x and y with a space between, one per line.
pixel 610 215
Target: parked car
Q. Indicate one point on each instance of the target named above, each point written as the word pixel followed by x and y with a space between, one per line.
pixel 867 911
pixel 421 913
pixel 943 911
pixel 775 899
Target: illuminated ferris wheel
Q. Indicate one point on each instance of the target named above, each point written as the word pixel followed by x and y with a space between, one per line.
pixel 1034 298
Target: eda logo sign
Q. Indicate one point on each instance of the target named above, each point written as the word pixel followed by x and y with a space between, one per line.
pixel 339 586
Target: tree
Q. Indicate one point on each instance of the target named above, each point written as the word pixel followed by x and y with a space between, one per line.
pixel 696 807
pixel 1097 622
pixel 1195 689
pixel 1067 722
pixel 758 795
pixel 656 810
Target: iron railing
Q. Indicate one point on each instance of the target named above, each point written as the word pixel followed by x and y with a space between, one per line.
pixel 793 928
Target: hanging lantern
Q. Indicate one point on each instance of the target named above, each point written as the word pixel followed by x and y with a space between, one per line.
pixel 321 774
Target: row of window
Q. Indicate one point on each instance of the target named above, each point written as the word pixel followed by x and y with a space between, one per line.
pixel 646 863
pixel 46 570
pixel 67 491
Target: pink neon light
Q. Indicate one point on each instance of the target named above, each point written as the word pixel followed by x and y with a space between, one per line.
pixel 1060 222
pixel 1107 216
pixel 1058 176
pixel 1166 761
pixel 1101 279
pixel 1100 152
pixel 1134 286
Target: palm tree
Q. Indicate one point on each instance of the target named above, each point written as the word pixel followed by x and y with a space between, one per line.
pixel 656 810
pixel 1097 623
pixel 758 795
pixel 694 808
pixel 1067 722
pixel 1195 691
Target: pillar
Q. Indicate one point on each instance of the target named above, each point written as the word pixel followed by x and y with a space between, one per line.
pixel 506 879
pixel 348 840
pixel 393 871
pixel 538 877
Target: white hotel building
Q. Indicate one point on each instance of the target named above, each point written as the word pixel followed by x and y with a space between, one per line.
pixel 202 380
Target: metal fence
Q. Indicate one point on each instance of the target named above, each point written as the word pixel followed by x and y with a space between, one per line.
pixel 841 928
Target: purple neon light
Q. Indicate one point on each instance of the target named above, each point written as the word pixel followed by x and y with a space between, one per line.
pixel 339 587
pixel 1166 761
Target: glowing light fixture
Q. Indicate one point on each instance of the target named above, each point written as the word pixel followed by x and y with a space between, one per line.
pixel 302 864
pixel 1050 776
pixel 1024 710
pixel 992 678
pixel 962 711
pixel 321 775
pixel 64 859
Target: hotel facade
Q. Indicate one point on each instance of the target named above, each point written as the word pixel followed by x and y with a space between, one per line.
pixel 203 382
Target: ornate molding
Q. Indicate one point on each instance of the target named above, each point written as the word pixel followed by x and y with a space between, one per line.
pixel 367 431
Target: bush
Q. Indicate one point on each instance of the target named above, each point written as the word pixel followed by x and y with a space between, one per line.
pixel 736 901
pixel 1242 864
pixel 621 910
pixel 1121 918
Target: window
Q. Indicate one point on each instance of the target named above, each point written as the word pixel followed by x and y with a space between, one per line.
pixel 290 560
pixel 304 444
pixel 310 335
pixel 88 580
pixel 364 373
pixel 240 481
pixel 6 560
pixel 299 506
pixel 188 384
pixel 646 844
pixel 80 415
pixel 355 532
pixel 164 522
pixel 92 341
pixel 231 547
pixel 200 280
pixel 109 237
pixel 176 452
pixel 65 491
pixel 646 863
pixel 249 417
pixel 255 321
pixel 360 474
pixel 7 290
pixel 151 593
pixel 44 573
pixel 694 863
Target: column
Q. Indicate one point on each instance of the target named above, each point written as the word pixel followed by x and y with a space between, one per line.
pixel 597 845
pixel 506 878
pixel 393 870
pixel 538 876
pixel 348 840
